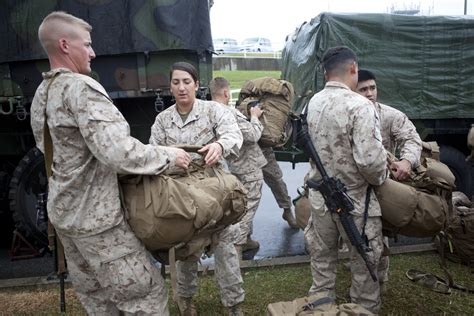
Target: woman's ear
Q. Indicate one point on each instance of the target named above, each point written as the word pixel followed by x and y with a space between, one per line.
pixel 197 85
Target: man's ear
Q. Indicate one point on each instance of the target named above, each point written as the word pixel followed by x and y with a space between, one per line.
pixel 197 85
pixel 227 93
pixel 63 45
pixel 354 68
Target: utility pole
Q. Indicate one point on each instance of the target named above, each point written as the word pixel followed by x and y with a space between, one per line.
pixel 465 7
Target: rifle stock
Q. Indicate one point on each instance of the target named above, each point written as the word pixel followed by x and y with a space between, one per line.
pixel 334 194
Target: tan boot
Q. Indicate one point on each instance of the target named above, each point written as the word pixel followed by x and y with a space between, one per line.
pixel 186 306
pixel 250 244
pixel 288 216
pixel 235 311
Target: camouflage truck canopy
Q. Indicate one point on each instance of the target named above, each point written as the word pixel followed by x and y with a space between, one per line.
pixel 423 64
pixel 119 27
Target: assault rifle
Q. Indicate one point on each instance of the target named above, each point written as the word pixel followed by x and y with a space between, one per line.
pixel 334 193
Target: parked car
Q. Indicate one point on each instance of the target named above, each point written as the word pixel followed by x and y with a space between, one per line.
pixel 256 44
pixel 226 45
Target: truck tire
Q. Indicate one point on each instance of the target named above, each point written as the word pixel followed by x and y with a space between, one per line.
pixel 29 179
pixel 456 161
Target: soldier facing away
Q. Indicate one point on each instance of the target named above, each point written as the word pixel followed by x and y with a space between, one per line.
pixel 109 267
pixel 344 129
pixel 248 167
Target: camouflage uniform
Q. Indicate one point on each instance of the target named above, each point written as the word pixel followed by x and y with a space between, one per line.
pixel 345 131
pixel 273 177
pixel 248 169
pixel 108 265
pixel 207 122
pixel 399 135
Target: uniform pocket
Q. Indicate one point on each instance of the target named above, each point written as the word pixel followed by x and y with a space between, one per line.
pixel 129 277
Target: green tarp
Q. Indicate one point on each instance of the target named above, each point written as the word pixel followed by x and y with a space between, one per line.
pixel 119 27
pixel 424 64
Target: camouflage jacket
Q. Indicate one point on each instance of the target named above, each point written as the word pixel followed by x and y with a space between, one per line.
pixel 399 134
pixel 251 157
pixel 344 128
pixel 208 122
pixel 91 144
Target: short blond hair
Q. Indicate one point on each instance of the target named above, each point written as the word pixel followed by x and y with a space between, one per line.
pixel 50 24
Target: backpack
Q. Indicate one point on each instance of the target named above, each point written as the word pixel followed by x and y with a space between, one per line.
pixel 421 206
pixel 182 211
pixel 459 242
pixel 275 98
pixel 317 305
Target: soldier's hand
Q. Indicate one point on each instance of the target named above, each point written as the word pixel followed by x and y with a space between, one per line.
pixel 214 153
pixel 183 159
pixel 256 111
pixel 401 169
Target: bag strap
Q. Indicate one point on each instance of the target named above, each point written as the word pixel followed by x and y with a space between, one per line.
pixel 47 141
pixel 173 273
pixel 441 251
pixel 48 160
pixel 311 305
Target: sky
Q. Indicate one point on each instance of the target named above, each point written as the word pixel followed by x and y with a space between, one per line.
pixel 275 19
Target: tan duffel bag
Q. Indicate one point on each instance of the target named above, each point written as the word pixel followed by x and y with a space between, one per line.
pixel 316 305
pixel 421 206
pixel 410 212
pixel 182 211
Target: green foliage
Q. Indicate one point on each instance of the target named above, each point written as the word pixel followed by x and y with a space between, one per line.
pixel 285 283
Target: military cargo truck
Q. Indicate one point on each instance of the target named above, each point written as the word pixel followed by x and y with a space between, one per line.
pixel 135 42
pixel 424 67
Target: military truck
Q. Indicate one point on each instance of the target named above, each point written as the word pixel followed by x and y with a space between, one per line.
pixel 135 42
pixel 423 64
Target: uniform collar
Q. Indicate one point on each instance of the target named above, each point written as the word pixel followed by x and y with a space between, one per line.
pixel 53 72
pixel 336 84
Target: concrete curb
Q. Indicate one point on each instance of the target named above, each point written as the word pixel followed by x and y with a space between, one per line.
pixel 245 264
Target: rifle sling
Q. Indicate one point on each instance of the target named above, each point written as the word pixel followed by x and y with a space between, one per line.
pixel 48 160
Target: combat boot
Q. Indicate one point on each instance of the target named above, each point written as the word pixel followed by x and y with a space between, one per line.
pixel 289 218
pixel 235 311
pixel 186 306
pixel 250 244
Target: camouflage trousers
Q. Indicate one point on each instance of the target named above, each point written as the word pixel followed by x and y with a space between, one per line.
pixel 273 177
pixel 227 271
pixel 254 188
pixel 322 236
pixel 113 272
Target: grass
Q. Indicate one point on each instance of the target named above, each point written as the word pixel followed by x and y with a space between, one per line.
pixel 283 283
pixel 238 78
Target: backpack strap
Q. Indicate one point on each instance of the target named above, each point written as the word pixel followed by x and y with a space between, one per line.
pixel 173 273
pixel 440 237
pixel 366 213
pixel 323 300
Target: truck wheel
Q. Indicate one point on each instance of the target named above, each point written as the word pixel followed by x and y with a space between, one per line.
pixel 462 170
pixel 28 180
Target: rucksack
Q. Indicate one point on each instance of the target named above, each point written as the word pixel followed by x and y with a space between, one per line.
pixel 275 98
pixel 316 305
pixel 182 211
pixel 421 206
pixel 459 241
